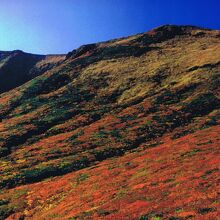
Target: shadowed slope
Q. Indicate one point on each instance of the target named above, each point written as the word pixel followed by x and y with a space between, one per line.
pixel 17 67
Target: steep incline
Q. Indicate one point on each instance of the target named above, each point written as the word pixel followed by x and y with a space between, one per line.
pixel 108 99
pixel 175 180
pixel 17 67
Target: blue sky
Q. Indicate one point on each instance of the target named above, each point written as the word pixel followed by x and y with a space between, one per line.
pixel 59 26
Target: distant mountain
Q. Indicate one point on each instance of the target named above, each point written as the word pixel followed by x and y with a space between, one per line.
pixel 123 129
pixel 17 67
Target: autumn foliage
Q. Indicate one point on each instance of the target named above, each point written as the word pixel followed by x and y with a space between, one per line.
pixel 125 129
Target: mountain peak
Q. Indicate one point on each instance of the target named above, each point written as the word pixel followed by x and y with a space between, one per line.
pixel 17 51
pixel 173 27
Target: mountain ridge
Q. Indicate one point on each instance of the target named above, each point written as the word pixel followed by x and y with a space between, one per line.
pixel 24 73
pixel 18 67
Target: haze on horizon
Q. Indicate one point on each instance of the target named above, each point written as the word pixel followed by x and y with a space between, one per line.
pixel 54 27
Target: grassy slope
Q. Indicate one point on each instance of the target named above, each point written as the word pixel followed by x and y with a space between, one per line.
pixel 174 180
pixel 102 101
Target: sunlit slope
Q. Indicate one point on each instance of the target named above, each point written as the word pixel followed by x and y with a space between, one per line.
pixel 176 179
pixel 107 99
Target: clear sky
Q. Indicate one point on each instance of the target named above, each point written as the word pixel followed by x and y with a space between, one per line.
pixel 59 26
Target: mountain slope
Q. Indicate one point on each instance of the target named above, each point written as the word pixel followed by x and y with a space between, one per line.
pixel 168 181
pixel 17 67
pixel 106 100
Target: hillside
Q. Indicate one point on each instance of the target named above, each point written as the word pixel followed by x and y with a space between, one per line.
pixel 124 129
pixel 17 67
